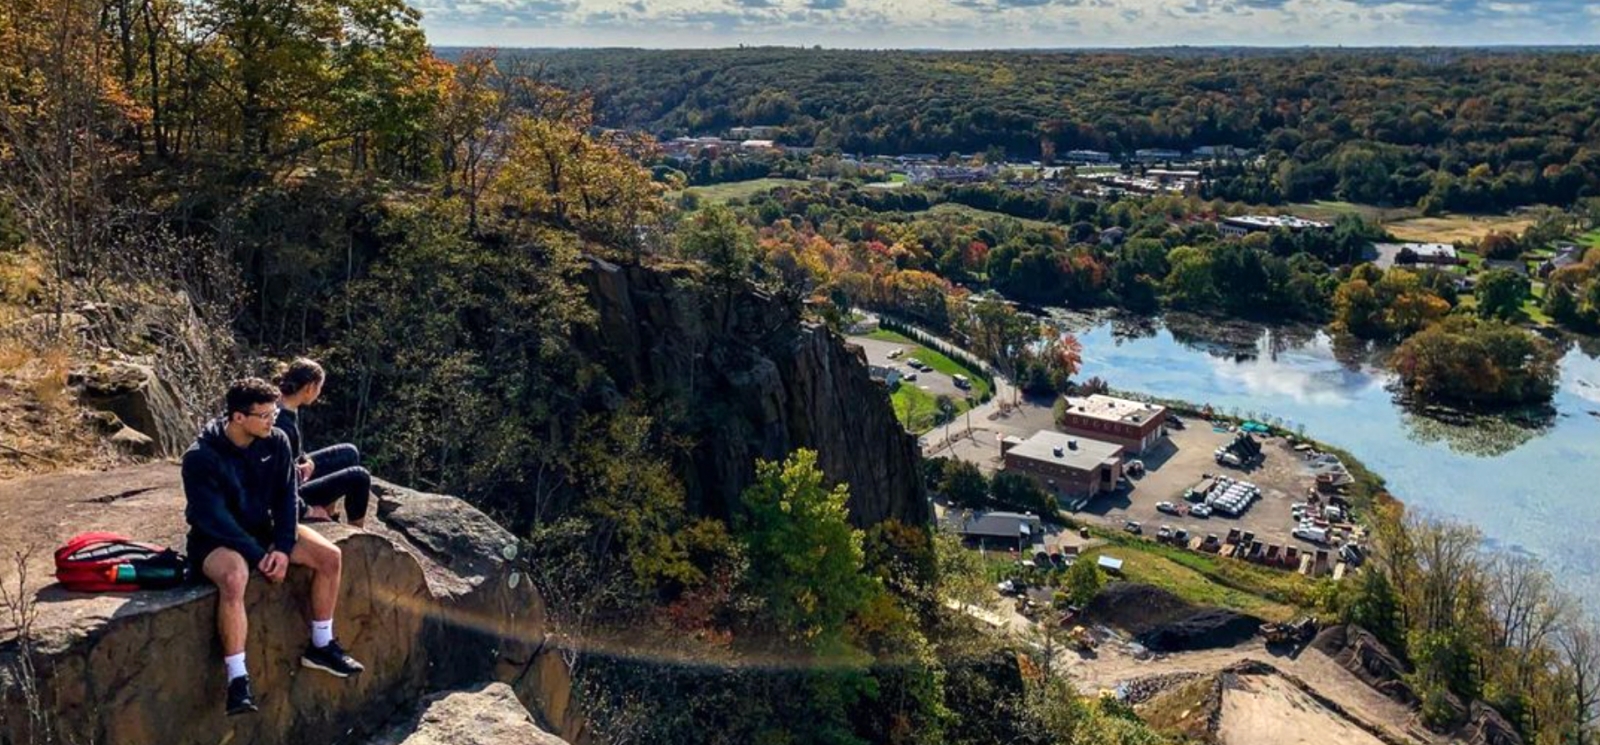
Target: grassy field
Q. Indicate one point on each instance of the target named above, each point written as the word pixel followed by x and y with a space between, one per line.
pixel 914 407
pixel 1453 228
pixel 1591 238
pixel 719 193
pixel 950 208
pixel 1210 580
pixel 1327 210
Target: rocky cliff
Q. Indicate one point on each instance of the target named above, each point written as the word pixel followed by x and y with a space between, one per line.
pixel 756 383
pixel 426 604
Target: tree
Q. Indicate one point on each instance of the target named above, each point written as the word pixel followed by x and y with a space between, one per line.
pixel 946 406
pixel 1500 294
pixel 1469 361
pixel 1083 581
pixel 1498 245
pixel 963 484
pixel 1527 609
pixel 806 561
pixel 716 237
pixel 1579 644
pixel 1020 492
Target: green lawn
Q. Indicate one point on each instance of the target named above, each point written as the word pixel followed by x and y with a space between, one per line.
pixel 951 208
pixel 895 178
pixel 1591 238
pixel 1328 210
pixel 914 407
pixel 1206 579
pixel 719 193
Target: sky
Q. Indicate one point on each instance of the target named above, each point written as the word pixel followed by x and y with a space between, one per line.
pixel 992 24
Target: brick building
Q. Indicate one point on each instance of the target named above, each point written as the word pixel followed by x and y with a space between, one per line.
pixel 1065 465
pixel 1134 425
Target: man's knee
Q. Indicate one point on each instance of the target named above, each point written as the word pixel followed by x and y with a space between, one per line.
pixel 326 559
pixel 231 581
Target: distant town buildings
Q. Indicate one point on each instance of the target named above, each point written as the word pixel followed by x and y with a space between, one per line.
pixel 1156 154
pixel 1086 156
pixel 761 132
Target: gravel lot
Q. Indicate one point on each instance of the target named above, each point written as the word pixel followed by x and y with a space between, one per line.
pixel 1184 461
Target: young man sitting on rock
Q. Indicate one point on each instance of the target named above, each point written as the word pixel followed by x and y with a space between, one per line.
pixel 244 513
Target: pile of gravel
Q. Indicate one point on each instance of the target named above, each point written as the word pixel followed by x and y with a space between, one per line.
pixel 1207 628
pixel 1136 608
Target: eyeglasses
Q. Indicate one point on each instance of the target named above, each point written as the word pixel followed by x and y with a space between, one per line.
pixel 265 416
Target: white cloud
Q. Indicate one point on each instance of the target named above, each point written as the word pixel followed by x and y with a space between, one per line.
pixel 1006 23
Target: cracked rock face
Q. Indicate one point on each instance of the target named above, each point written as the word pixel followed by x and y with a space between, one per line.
pixel 758 384
pixel 425 605
pixel 141 399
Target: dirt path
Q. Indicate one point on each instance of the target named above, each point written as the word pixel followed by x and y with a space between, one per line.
pixel 1114 664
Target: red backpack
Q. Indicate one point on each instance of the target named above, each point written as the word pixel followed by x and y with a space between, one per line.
pixel 110 562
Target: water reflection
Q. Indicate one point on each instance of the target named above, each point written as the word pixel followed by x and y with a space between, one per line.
pixel 1525 480
pixel 1480 436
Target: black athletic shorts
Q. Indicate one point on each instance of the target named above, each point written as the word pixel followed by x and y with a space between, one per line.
pixel 200 546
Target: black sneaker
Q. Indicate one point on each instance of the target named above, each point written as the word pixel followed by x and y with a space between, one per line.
pixel 331 659
pixel 240 699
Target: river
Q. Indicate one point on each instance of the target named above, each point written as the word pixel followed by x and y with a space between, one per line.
pixel 1529 486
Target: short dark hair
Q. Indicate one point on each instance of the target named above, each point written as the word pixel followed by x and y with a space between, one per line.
pixel 292 376
pixel 248 393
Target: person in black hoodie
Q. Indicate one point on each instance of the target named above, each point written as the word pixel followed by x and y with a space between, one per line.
pixel 329 474
pixel 244 512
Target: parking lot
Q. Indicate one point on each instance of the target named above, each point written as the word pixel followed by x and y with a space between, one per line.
pixel 932 381
pixel 1183 461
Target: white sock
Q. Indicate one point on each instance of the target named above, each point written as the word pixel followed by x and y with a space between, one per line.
pixel 235 663
pixel 321 633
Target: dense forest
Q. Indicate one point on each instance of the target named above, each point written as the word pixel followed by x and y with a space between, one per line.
pixel 1444 130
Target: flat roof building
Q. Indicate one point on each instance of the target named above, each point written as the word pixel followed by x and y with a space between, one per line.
pixel 1240 225
pixel 1425 253
pixel 1133 425
pixel 1065 464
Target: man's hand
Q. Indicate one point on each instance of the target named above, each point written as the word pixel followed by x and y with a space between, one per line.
pixel 305 468
pixel 274 565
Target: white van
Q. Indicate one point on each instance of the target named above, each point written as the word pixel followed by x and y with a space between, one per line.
pixel 1308 533
pixel 961 381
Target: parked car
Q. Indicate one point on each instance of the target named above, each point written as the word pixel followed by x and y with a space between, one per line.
pixel 1133 526
pixel 1309 533
pixel 917 364
pixel 895 353
pixel 910 375
pixel 1164 533
pixel 961 381
pixel 1174 422
pixel 1200 510
pixel 1167 507
pixel 1180 536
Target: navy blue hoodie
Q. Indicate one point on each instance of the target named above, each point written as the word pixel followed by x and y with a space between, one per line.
pixel 245 499
pixel 289 421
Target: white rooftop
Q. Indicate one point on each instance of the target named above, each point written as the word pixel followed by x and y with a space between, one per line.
pixel 1113 409
pixel 1275 221
pixel 1074 451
